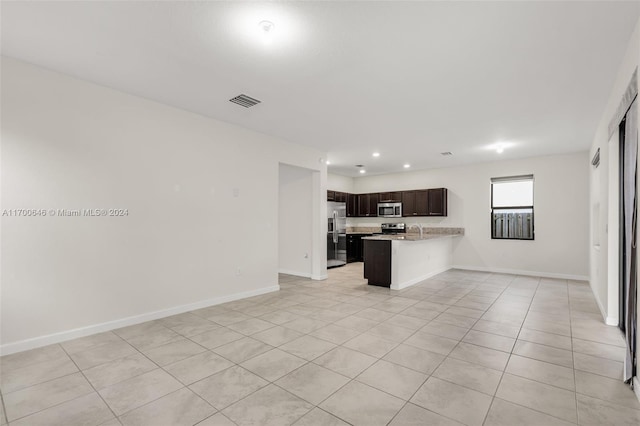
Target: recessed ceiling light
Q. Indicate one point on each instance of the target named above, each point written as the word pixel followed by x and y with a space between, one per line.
pixel 406 166
pixel 376 154
pixel 328 162
pixel 500 149
pixel 267 26
pixel 363 171
pixel 266 30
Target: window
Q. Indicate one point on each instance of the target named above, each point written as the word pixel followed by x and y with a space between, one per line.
pixel 512 208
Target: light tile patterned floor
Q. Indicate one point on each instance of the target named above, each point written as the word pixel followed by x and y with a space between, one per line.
pixel 464 347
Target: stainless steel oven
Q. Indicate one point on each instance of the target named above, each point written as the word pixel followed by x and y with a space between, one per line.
pixel 389 209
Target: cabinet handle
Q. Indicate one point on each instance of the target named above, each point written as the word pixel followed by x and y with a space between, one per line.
pixel 415 214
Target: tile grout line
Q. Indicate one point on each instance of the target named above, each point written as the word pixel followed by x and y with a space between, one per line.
pixel 573 358
pixel 90 384
pixel 408 401
pixel 381 358
pixel 4 410
pixel 129 378
pixel 389 296
pixel 502 373
pixel 533 409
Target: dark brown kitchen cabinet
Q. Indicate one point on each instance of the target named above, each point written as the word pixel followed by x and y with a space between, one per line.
pixel 355 247
pixel 408 203
pixel 391 197
pixel 373 204
pixel 415 203
pixel 338 196
pixel 437 202
pixel 352 205
pixel 422 202
pixel 377 262
pixel 418 202
pixel 367 205
pixel 363 205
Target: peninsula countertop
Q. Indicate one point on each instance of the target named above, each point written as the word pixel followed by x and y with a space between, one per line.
pixel 410 237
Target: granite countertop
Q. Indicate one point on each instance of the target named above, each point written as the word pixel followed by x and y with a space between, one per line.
pixel 429 232
pixel 410 237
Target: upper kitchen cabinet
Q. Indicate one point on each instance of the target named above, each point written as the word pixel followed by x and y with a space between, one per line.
pixel 338 196
pixel 415 203
pixel 419 202
pixel 390 197
pixel 367 205
pixel 352 205
pixel 437 202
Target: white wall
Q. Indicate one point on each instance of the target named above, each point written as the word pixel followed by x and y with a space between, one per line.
pixel 603 193
pixel 604 187
pixel 202 200
pixel 560 209
pixel 294 220
pixel 340 183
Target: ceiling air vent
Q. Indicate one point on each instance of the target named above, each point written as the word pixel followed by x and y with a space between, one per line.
pixel 245 101
pixel 446 154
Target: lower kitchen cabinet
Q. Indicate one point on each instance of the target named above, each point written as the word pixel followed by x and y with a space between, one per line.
pixel 355 247
pixel 377 262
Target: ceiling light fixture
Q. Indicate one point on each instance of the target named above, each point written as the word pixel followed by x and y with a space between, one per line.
pixel 267 26
pixel 328 162
pixel 376 154
pixel 500 149
pixel 406 166
pixel 363 171
pixel 266 29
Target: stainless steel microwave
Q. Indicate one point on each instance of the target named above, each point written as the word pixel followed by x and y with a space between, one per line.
pixel 389 209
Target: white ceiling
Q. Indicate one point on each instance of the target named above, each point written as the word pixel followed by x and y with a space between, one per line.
pixel 407 79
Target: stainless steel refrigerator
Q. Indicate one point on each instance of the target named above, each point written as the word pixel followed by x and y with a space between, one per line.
pixel 337 235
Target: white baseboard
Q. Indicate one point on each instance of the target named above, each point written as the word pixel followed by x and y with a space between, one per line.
pixel 611 321
pixel 607 319
pixel 296 273
pixel 319 277
pixel 36 342
pixel 522 272
pixel 417 280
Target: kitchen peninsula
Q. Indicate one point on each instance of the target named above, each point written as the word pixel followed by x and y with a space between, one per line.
pixel 400 261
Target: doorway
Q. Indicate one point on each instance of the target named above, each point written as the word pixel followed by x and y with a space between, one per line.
pixel 627 289
pixel 622 229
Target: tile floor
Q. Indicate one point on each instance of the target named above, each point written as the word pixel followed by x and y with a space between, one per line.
pixel 461 348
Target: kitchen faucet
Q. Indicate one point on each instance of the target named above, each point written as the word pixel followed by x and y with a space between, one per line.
pixel 419 226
